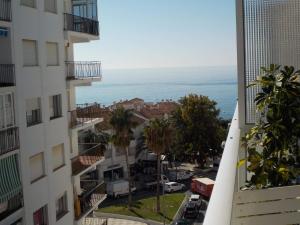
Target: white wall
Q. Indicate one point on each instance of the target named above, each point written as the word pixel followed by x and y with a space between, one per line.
pixel 41 81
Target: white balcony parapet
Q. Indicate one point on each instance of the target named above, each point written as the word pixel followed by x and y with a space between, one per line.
pixel 220 205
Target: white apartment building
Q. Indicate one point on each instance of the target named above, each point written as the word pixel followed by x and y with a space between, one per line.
pixel 268 31
pixel 44 174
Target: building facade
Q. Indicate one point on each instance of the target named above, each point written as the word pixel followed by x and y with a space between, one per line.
pixel 40 157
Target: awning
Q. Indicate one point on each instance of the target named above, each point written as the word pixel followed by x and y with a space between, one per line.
pixel 10 184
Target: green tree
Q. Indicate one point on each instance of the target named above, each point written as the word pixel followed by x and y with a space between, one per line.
pixel 197 128
pixel 122 123
pixel 158 139
pixel 272 144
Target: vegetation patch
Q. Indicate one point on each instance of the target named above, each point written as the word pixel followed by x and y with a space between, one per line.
pixel 146 208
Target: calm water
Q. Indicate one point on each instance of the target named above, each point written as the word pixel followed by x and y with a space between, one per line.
pixel 152 85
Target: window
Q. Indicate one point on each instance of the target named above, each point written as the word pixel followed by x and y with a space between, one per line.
pixel 37 168
pixel 55 106
pixel 50 6
pixel 61 206
pixel 52 54
pixel 40 217
pixel 33 111
pixel 30 53
pixel 58 156
pixel 7 118
pixel 29 3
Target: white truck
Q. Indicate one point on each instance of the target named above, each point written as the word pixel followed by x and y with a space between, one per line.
pixel 180 175
pixel 118 188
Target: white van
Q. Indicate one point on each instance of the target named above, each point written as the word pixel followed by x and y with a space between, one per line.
pixel 118 188
pixel 173 186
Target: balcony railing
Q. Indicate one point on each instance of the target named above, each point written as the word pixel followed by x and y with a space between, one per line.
pixel 7 73
pixel 9 140
pixel 90 200
pixel 223 192
pixel 276 206
pixel 84 114
pixel 5 10
pixel 83 70
pixel 87 159
pixel 81 24
pixel 13 205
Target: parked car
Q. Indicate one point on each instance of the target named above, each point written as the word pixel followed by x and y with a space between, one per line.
pixel 196 199
pixel 190 211
pixel 152 184
pixel 173 186
pixel 118 188
pixel 182 222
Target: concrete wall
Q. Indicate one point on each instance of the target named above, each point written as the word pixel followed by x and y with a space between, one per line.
pixel 41 81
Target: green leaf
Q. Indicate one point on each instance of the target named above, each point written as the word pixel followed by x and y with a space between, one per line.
pixel 241 163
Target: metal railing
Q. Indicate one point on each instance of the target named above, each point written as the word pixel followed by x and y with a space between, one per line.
pixel 90 199
pixel 83 114
pixel 9 140
pixel 83 70
pixel 87 158
pixel 13 204
pixel 81 24
pixel 34 117
pixel 5 10
pixel 7 74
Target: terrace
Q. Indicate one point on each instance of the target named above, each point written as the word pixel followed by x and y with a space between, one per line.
pixel 89 200
pixel 87 159
pixel 85 115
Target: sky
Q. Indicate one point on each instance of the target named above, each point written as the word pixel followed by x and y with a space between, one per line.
pixel 163 33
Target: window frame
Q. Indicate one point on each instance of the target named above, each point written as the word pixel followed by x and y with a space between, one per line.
pixel 63 159
pixel 49 11
pixel 62 208
pixel 57 53
pixel 44 210
pixel 36 113
pixel 43 167
pixel 35 50
pixel 26 5
pixel 56 108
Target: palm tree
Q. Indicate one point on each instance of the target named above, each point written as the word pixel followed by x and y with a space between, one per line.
pixel 158 139
pixel 122 123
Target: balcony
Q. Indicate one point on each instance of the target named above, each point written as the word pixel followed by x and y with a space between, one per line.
pixel 7 74
pixel 85 116
pixel 81 29
pixel 234 206
pixel 82 73
pixel 9 140
pixel 89 200
pixel 87 159
pixel 13 205
pixel 5 10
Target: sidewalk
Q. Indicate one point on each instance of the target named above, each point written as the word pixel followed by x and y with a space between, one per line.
pixel 124 220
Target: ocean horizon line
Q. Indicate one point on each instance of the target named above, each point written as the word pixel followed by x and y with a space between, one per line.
pixel 169 67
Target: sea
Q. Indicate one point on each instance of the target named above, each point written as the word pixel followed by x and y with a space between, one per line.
pixel 156 84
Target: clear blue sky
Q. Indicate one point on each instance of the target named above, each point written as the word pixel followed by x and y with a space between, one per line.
pixel 163 33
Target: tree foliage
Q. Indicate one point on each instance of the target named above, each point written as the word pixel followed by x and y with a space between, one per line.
pixel 122 123
pixel 272 144
pixel 158 139
pixel 198 128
